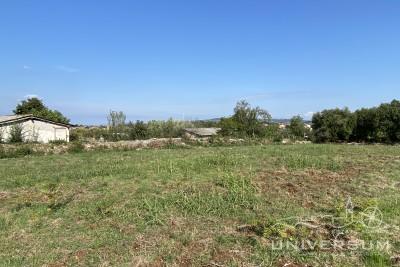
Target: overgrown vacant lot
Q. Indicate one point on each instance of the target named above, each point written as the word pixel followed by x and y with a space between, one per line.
pixel 218 206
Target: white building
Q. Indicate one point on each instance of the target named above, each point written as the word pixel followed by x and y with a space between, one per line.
pixel 34 129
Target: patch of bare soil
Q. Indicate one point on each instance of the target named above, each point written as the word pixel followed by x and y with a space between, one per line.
pixel 4 195
pixel 308 186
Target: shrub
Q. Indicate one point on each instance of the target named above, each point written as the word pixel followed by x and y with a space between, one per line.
pixel 23 151
pixel 297 127
pixel 137 130
pixel 20 151
pixel 74 136
pixel 58 142
pixel 76 148
pixel 333 125
pixel 16 134
pixel 246 121
pixel 273 133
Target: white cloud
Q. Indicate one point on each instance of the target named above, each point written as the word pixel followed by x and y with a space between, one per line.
pixel 67 69
pixel 31 96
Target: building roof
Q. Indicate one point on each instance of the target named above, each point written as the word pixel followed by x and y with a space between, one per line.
pixel 16 118
pixel 203 131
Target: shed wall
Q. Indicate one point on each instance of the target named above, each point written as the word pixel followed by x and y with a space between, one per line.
pixel 37 131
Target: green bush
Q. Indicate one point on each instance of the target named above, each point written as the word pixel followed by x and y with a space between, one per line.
pixel 20 151
pixel 76 148
pixel 16 134
pixel 246 121
pixel 378 124
pixel 297 128
pixel 58 142
pixel 333 125
pixel 23 151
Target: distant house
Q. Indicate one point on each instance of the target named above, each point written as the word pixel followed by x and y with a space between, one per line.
pixel 34 129
pixel 201 132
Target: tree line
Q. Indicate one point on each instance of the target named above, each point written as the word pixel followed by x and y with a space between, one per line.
pixel 378 124
pixel 373 125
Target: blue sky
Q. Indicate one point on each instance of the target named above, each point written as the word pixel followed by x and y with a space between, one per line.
pixel 195 59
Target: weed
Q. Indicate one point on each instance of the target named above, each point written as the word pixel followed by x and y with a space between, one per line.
pixel 76 148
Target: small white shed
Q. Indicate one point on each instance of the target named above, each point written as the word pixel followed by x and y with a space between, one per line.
pixel 34 129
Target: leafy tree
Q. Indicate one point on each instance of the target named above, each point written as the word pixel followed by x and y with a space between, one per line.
pixel 246 121
pixel 388 126
pixel 116 119
pixel 297 127
pixel 366 126
pixel 228 126
pixel 333 125
pixel 116 124
pixel 36 107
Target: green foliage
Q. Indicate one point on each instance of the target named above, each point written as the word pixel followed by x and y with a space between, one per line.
pixel 378 124
pixel 246 121
pixel 273 133
pixel 333 125
pixel 116 124
pixel 297 127
pixel 20 151
pixel 388 126
pixel 366 125
pixel 36 107
pixel 58 142
pixel 137 130
pixel 16 134
pixel 76 148
pixel 228 126
pixel 376 259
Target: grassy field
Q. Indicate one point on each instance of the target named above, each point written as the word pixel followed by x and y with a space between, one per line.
pixel 217 206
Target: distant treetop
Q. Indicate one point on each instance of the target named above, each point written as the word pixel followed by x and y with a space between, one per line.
pixel 36 107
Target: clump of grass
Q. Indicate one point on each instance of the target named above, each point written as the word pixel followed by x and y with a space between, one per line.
pixel 76 147
pixel 16 134
pixel 376 259
pixel 3 223
pixel 58 142
pixel 20 151
pixel 301 161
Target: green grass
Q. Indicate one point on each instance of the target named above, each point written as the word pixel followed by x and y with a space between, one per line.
pixel 221 205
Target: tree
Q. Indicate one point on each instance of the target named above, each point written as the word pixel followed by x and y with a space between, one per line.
pixel 246 121
pixel 297 127
pixel 333 125
pixel 366 126
pixel 228 126
pixel 116 123
pixel 116 119
pixel 36 107
pixel 388 122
